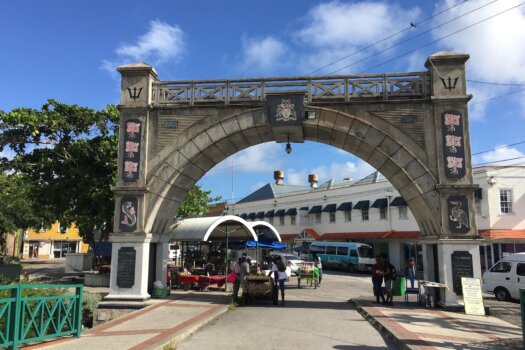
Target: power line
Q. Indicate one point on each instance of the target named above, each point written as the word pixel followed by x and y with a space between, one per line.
pixel 496 148
pixel 412 25
pixel 494 83
pixel 411 38
pixel 444 37
pixel 497 97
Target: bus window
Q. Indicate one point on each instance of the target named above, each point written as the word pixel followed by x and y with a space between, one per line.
pixel 320 249
pixel 331 250
pixel 342 251
pixel 353 253
pixel 366 252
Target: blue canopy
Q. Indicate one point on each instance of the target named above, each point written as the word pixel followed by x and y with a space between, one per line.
pixel 262 244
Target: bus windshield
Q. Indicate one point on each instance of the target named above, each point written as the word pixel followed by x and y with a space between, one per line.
pixel 366 252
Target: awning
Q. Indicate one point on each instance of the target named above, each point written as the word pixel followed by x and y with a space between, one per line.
pixel 269 214
pixel 478 194
pixel 251 216
pixel 291 211
pixel 362 205
pixel 340 236
pixel 380 203
pixel 259 215
pixel 398 201
pixel 315 209
pixel 214 228
pixel 303 208
pixel 265 231
pixel 279 212
pixel 329 208
pixel 503 234
pixel 243 216
pixel 345 206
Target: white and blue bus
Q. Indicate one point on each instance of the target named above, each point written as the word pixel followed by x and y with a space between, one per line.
pixel 344 255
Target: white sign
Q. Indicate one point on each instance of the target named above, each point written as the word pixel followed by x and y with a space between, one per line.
pixel 472 296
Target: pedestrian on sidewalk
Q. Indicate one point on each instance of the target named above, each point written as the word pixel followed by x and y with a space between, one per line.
pixel 411 271
pixel 377 279
pixel 389 277
pixel 318 264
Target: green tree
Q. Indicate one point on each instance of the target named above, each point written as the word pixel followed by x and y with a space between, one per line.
pixel 67 156
pixel 196 203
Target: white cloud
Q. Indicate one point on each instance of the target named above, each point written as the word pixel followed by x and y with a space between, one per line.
pixel 499 155
pixel 296 177
pixel 336 29
pixel 263 55
pixel 496 46
pixel 262 158
pixel 355 171
pixel 161 43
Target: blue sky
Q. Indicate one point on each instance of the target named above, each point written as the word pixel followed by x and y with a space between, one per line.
pixel 68 51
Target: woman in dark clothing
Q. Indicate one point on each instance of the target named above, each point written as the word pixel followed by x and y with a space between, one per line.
pixel 377 279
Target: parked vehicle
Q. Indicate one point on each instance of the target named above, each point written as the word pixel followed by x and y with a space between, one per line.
pixel 173 251
pixel 506 277
pixel 290 261
pixel 344 255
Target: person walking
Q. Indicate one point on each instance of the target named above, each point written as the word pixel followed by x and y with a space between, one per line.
pixel 411 271
pixel 377 279
pixel 318 264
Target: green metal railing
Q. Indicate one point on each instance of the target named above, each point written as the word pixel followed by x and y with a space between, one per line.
pixel 36 312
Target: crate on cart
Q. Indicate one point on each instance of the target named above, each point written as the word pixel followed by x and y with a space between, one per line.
pixel 309 273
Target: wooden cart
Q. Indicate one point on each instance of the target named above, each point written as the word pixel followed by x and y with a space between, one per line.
pixel 309 273
pixel 259 287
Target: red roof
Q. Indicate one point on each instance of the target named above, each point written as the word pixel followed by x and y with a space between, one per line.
pixel 288 236
pixel 313 233
pixel 502 234
pixel 371 235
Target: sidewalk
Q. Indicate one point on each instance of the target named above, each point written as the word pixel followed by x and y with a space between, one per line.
pixel 419 328
pixel 163 323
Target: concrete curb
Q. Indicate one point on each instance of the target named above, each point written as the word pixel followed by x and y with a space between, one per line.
pixel 379 326
pixel 190 329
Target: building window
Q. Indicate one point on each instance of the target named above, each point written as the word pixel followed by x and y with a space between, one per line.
pixel 281 220
pixel 402 212
pixel 505 200
pixel 348 215
pixel 477 204
pixel 383 213
pixel 292 219
pixel 270 220
pixel 318 218
pixel 364 214
pixel 332 216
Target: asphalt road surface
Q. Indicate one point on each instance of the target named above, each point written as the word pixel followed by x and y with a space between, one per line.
pixel 311 319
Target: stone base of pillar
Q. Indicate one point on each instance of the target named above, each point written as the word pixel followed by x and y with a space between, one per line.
pixel 446 261
pixel 129 281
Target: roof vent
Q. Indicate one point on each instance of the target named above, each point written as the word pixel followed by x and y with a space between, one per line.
pixel 278 175
pixel 313 179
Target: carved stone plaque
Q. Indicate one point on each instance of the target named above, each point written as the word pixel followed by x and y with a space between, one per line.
pixel 285 109
pixel 461 267
pixel 126 267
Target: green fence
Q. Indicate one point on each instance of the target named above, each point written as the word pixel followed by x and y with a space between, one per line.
pixel 35 312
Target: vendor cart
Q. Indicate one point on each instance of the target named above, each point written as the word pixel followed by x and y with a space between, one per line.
pixel 309 274
pixel 259 287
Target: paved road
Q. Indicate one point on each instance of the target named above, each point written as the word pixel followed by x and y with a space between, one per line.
pixel 312 319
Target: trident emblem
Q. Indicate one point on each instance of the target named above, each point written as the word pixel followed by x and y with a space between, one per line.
pixel 134 94
pixel 451 86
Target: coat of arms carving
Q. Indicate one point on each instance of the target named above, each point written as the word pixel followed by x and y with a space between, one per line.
pixel 286 111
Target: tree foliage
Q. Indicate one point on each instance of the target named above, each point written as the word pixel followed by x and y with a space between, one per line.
pixel 196 203
pixel 66 155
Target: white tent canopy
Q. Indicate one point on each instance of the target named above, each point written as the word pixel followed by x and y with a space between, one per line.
pixel 214 228
pixel 265 230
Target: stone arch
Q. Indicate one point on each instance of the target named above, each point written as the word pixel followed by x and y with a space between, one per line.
pixel 387 149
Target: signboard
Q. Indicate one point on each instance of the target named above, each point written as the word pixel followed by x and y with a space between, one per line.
pixel 472 296
pixel 126 267
pixel 461 267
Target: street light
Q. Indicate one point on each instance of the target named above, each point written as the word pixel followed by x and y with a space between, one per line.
pixel 288 148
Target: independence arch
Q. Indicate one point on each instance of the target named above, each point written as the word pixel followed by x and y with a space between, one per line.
pixel 412 127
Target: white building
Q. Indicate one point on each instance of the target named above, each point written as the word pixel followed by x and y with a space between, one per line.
pixel 371 210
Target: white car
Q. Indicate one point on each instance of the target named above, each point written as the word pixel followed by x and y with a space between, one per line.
pixel 291 261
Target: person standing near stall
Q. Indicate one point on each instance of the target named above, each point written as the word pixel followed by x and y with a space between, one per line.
pixel 377 279
pixel 411 271
pixel 318 264
pixel 279 269
pixel 241 269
